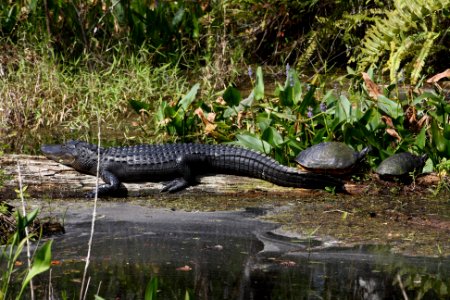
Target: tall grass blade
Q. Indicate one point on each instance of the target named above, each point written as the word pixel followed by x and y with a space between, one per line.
pixel 151 289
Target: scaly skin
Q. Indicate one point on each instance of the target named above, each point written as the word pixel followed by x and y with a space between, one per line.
pixel 180 164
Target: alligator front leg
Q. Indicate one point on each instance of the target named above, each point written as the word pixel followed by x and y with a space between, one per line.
pixel 187 165
pixel 112 184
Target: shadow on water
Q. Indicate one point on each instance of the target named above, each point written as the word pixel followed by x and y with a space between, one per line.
pixel 224 255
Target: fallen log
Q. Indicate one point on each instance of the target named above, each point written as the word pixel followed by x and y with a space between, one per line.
pixel 46 178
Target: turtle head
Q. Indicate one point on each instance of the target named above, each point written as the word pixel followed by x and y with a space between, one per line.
pixel 364 152
pixel 421 161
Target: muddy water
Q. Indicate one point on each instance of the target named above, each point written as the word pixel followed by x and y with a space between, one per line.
pixel 223 255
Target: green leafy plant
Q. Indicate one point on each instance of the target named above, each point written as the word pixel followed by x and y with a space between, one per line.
pixel 300 115
pixel 40 262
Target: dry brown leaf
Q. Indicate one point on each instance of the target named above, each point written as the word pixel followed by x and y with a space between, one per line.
pixel 205 119
pixel 392 132
pixel 55 263
pixel 199 112
pixel 372 88
pixel 185 268
pixel 221 101
pixel 425 120
pixel 410 114
pixel 288 263
pixel 439 76
pixel 209 128
pixel 388 121
pixel 211 117
pixel 239 119
pixel 18 263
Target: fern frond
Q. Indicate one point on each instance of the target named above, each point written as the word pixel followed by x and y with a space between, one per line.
pixel 312 46
pixel 419 62
pixel 396 57
pixel 398 34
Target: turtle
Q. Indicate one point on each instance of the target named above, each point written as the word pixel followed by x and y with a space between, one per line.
pixel 400 166
pixel 333 158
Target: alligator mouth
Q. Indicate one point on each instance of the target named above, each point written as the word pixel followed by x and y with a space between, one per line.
pixel 57 153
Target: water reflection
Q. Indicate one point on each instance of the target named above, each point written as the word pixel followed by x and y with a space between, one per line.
pixel 226 256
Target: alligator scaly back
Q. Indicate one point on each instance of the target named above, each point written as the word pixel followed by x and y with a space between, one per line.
pixel 179 164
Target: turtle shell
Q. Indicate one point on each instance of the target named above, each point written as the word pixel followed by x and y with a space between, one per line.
pixel 330 157
pixel 401 164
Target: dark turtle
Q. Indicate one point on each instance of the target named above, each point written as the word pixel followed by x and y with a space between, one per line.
pixel 400 165
pixel 330 158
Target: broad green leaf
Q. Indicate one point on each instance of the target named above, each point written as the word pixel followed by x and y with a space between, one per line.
pixel 259 85
pixel 429 166
pixel 291 93
pixel 343 109
pixel 391 108
pixel 286 96
pixel 447 131
pixel 160 112
pixel 372 119
pixel 421 138
pixel 263 121
pixel 178 17
pixel 350 71
pixel 438 139
pixel 308 100
pixel 288 116
pixel 272 136
pixel 138 106
pixel 29 218
pixel 248 102
pixel 296 86
pixel 232 96
pixel 252 142
pixel 230 112
pixel 189 98
pixel 41 263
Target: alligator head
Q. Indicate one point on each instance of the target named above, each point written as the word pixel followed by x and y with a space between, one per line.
pixel 76 154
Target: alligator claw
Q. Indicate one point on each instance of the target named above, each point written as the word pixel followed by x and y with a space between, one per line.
pixel 90 195
pixel 175 185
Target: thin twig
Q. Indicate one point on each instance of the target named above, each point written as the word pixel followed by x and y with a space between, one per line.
pixel 336 210
pixel 24 213
pixel 50 287
pixel 98 289
pixel 87 285
pixel 400 283
pixel 83 292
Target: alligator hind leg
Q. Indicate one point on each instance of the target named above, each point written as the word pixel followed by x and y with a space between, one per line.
pixel 188 166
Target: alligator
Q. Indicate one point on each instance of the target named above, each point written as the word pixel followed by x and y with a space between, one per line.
pixel 177 165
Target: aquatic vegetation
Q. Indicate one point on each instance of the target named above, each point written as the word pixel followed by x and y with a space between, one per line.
pixel 299 115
